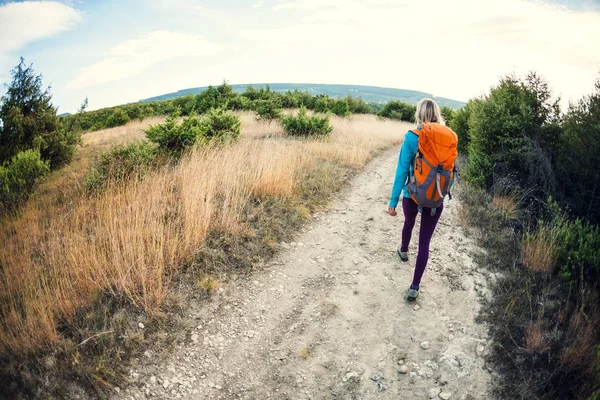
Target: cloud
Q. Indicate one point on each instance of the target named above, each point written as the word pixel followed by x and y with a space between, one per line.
pixel 454 48
pixel 133 56
pixel 22 23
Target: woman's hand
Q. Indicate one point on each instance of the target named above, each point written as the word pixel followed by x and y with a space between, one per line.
pixel 392 211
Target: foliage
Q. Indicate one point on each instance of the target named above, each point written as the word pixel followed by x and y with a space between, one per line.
pixel 266 110
pixel 239 103
pixel 213 97
pixel 121 163
pixel 460 124
pixel 117 118
pixel 172 136
pixel 220 124
pixel 99 119
pixel 304 125
pixel 579 157
pixel 399 110
pixel 513 132
pixel 356 105
pixel 18 178
pixel 340 107
pixel 29 120
pixel 543 325
pixel 447 114
pixel 322 103
pixel 186 105
pixel 578 252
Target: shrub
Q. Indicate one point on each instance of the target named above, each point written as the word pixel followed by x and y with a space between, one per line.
pixel 578 254
pixel 447 114
pixel 58 147
pixel 579 157
pixel 321 103
pixel 340 108
pixel 121 163
pixel 359 106
pixel 173 137
pixel 117 118
pixel 460 125
pixel 185 104
pixel 513 131
pixel 266 110
pixel 220 124
pixel 399 110
pixel 239 103
pixel 290 100
pixel 304 125
pixel 19 177
pixel 29 121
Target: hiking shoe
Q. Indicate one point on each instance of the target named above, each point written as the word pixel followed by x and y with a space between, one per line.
pixel 412 293
pixel 403 255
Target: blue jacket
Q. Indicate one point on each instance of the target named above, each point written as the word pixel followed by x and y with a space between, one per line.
pixel 406 161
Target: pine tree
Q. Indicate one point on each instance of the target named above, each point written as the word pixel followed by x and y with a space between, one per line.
pixel 29 120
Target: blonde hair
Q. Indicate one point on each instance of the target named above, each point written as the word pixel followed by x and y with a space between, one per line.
pixel 428 111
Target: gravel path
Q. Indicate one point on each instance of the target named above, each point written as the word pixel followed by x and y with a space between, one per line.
pixel 327 319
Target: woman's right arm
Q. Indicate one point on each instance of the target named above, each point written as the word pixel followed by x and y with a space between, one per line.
pixel 405 158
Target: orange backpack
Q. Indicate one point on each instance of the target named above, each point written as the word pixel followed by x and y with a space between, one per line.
pixel 434 168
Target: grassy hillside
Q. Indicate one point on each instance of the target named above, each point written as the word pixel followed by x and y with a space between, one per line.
pixel 370 94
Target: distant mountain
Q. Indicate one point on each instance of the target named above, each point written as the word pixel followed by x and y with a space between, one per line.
pixel 66 114
pixel 372 94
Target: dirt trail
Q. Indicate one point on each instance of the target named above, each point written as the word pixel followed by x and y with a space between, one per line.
pixel 327 318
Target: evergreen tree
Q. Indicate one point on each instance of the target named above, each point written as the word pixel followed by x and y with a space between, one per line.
pixel 29 120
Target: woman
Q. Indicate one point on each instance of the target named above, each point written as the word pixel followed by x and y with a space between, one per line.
pixel 427 112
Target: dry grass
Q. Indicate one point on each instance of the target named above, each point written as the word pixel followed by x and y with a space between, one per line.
pixel 129 132
pixel 579 352
pixel 131 239
pixel 538 251
pixel 507 205
pixel 535 338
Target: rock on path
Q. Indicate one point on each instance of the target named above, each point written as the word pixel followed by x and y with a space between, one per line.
pixel 327 318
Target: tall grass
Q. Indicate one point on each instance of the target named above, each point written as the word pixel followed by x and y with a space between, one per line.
pixel 132 238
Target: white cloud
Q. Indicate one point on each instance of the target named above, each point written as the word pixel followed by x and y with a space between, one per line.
pixel 456 48
pixel 22 23
pixel 133 56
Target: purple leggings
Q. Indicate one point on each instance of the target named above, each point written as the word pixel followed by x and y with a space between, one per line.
pixel 428 224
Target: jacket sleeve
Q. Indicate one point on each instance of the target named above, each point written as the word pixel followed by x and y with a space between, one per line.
pixel 405 159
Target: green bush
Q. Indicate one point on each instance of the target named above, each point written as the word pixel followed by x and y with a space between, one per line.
pixel 304 125
pixel 174 137
pixel 340 107
pixel 117 118
pixel 185 104
pixel 460 125
pixel 398 110
pixel 208 99
pixel 578 252
pixel 579 158
pixel 28 120
pixel 322 103
pixel 18 178
pixel 290 100
pixel 121 163
pixel 447 114
pixel 266 110
pixel 239 103
pixel 220 124
pixel 513 132
pixel 359 106
pixel 58 147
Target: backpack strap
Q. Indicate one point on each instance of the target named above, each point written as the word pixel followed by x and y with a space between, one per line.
pixel 440 167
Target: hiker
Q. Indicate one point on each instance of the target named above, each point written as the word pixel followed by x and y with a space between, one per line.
pixel 424 175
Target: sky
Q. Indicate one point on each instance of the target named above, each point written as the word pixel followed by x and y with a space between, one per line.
pixel 120 51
